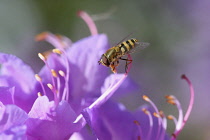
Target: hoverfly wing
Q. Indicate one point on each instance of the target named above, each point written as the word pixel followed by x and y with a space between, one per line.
pixel 124 39
pixel 139 46
pixel 142 45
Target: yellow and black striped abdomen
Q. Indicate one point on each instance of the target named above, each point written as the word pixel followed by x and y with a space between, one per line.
pixel 126 46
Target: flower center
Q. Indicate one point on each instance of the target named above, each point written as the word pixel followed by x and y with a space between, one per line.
pixel 60 44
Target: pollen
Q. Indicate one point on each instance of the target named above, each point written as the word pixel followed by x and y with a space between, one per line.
pixel 171 102
pixel 146 98
pixel 42 57
pixel 136 122
pixel 54 74
pixel 50 86
pixel 161 113
pixel 41 36
pixel 145 111
pixel 57 51
pixel 61 73
pixel 156 115
pixel 170 117
pixel 39 94
pixel 38 78
pixel 169 97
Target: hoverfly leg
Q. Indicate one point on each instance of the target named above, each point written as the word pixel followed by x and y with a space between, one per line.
pixel 128 62
pixel 113 66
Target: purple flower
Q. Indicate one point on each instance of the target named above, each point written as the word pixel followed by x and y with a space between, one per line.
pixel 113 121
pixel 72 90
pixel 69 82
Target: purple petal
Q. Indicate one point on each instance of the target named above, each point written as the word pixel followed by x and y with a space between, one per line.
pixel 84 56
pixel 127 86
pixel 111 121
pixel 14 73
pixel 7 95
pixel 14 133
pixel 49 122
pixel 20 73
pixel 11 116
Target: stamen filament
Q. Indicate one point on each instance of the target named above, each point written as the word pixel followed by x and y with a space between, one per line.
pixel 164 125
pixel 173 100
pixel 64 90
pixel 51 75
pixel 150 123
pixel 171 117
pixel 189 107
pixel 140 130
pixel 39 79
pixel 53 89
pixel 146 98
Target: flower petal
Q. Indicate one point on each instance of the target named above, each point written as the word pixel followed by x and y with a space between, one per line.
pixel 111 121
pixel 14 73
pixel 7 95
pixel 127 86
pixel 14 133
pixel 49 122
pixel 84 56
pixel 11 115
pixel 20 73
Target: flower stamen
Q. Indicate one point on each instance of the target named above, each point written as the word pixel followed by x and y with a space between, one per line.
pixel 174 101
pixel 42 57
pixel 57 51
pixel 182 124
pixel 39 94
pixel 39 79
pixel 156 114
pixel 150 123
pixel 139 127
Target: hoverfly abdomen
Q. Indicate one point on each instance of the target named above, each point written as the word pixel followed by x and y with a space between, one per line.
pixel 128 45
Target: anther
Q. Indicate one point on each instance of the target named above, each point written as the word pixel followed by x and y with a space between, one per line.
pixel 41 36
pixel 170 117
pixel 57 51
pixel 171 102
pixel 161 113
pixel 42 57
pixel 136 122
pixel 39 94
pixel 146 98
pixel 54 74
pixel 156 114
pixel 50 86
pixel 169 97
pixel 145 111
pixel 61 73
pixel 38 78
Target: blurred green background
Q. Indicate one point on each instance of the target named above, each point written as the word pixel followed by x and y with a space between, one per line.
pixel 178 32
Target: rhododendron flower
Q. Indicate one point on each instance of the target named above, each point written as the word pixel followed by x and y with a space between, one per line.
pixel 113 121
pixel 71 92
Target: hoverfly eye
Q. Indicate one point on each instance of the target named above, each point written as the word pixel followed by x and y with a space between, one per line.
pixel 105 60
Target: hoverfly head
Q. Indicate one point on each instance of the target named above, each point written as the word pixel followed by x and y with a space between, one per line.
pixel 104 61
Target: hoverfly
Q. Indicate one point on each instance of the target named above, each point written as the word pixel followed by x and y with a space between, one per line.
pixel 112 56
